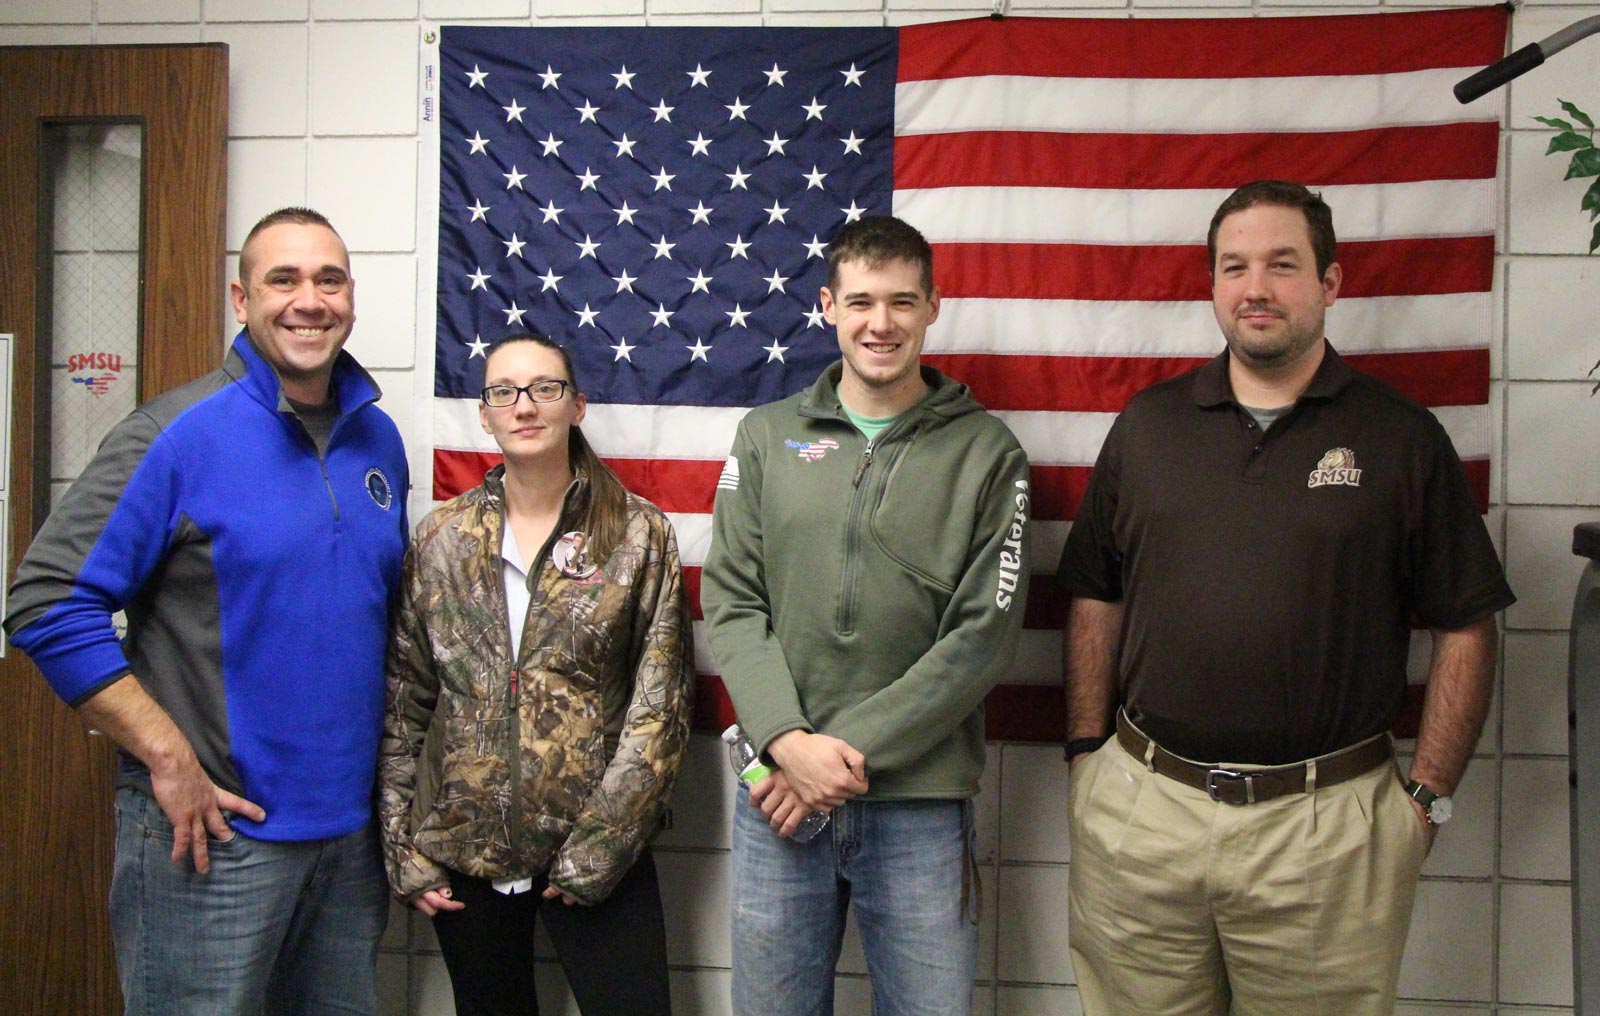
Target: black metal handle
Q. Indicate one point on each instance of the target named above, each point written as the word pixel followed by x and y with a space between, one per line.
pixel 1586 540
pixel 1499 72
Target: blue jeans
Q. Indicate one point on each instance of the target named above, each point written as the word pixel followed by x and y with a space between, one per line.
pixel 901 864
pixel 281 928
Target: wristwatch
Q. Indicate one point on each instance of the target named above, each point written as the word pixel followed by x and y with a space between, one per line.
pixel 1436 806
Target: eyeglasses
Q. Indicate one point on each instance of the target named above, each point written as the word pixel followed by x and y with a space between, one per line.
pixel 501 396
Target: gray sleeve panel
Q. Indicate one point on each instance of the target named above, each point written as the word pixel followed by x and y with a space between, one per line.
pixel 53 562
pixel 175 633
pixel 174 629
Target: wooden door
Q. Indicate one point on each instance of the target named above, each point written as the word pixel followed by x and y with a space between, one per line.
pixel 55 813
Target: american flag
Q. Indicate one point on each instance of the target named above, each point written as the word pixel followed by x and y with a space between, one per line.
pixel 99 384
pixel 811 451
pixel 659 200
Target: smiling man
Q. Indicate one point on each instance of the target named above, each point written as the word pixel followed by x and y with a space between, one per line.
pixel 1254 544
pixel 864 590
pixel 251 524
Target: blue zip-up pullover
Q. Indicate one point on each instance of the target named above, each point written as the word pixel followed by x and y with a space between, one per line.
pixel 256 575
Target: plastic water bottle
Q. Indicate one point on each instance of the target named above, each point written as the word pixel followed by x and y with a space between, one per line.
pixel 748 765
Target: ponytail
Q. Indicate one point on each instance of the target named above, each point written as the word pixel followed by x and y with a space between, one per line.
pixel 605 518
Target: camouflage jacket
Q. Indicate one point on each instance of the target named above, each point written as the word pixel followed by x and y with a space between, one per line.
pixel 562 762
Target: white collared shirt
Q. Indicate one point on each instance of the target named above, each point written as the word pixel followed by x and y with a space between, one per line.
pixel 517 599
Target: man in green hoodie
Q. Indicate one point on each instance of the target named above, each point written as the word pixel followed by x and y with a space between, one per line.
pixel 863 592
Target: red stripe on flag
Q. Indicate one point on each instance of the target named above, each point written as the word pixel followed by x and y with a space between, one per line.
pixel 1478 479
pixel 1025 712
pixel 1104 384
pixel 1416 266
pixel 1180 161
pixel 1057 491
pixel 685 486
pixel 713 710
pixel 691 588
pixel 1047 602
pixel 1410 711
pixel 1041 383
pixel 673 485
pixel 1148 47
pixel 1435 377
pixel 1035 271
pixel 455 472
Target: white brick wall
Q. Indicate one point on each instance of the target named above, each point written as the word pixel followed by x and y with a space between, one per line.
pixel 322 112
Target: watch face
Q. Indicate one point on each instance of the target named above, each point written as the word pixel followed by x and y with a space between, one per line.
pixel 1440 810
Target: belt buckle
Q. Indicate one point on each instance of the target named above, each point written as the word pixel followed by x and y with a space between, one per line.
pixel 1215 783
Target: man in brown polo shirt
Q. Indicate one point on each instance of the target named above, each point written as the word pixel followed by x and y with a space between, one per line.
pixel 1254 546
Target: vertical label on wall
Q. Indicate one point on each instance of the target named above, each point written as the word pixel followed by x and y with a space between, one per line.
pixel 420 447
pixel 430 81
pixel 5 475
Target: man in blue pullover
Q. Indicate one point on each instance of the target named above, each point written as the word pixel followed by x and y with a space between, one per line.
pixel 251 524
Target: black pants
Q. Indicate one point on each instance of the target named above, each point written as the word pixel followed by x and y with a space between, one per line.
pixel 614 954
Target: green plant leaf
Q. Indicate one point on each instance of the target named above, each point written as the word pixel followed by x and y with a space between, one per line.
pixel 1557 123
pixel 1584 163
pixel 1576 113
pixel 1569 141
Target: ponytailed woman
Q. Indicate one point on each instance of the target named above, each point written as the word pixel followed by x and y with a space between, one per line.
pixel 539 679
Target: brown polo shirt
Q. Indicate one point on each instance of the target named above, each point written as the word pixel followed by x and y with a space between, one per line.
pixel 1270 581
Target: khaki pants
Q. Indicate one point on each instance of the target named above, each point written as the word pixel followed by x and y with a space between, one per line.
pixel 1181 905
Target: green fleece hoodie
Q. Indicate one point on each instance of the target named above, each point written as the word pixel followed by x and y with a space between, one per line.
pixel 872 592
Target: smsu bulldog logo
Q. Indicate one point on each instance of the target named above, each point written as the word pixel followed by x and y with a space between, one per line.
pixel 95 371
pixel 1336 467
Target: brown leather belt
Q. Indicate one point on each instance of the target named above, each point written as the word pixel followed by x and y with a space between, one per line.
pixel 1255 784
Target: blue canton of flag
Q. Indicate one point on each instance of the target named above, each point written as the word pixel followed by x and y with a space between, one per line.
pixel 656 200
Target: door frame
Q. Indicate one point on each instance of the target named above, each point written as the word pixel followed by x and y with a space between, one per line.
pixel 56 834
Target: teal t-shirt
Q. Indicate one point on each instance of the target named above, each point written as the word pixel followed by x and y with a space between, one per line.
pixel 870 426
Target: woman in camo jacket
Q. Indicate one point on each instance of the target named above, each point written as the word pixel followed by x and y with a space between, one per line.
pixel 539 679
